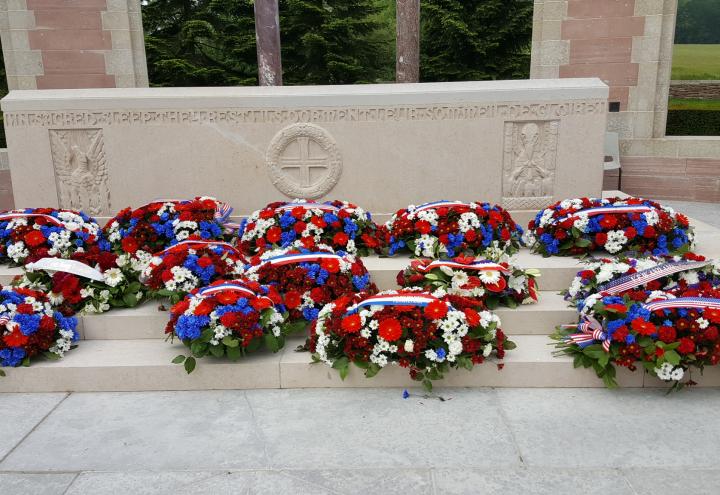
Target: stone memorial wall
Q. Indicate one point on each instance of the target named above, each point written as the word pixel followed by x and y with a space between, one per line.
pixel 518 143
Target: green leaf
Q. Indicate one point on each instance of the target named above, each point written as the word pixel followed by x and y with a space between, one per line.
pixel 372 370
pixel 217 350
pixel 129 299
pixel 273 343
pixel 583 243
pixel 190 364
pixel 230 341
pixel 254 345
pixel 672 357
pixel 178 359
pixel 427 384
pixel 509 345
pixel 344 371
pixel 2 373
pixel 233 353
pixel 341 362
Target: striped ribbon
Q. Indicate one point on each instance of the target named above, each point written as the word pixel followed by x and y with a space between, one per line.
pixel 420 300
pixel 287 259
pixel 476 265
pixel 684 302
pixel 636 279
pixel 221 215
pixel 191 242
pixel 230 287
pixel 591 212
pixel 6 322
pixel 308 206
pixel 439 204
pixel 591 331
pixel 50 218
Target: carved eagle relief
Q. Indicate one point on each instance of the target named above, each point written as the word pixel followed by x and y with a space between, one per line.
pixel 81 170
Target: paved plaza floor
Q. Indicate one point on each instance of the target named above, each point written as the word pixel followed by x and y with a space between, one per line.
pixel 322 441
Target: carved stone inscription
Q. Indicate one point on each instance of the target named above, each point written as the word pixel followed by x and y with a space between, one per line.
pixel 81 170
pixel 304 161
pixel 529 163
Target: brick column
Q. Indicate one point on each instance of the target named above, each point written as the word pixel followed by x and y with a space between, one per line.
pixel 55 44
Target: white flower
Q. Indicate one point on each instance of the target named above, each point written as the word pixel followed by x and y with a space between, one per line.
pixel 113 277
pixel 702 323
pixel 489 276
pixel 677 374
pixel 409 345
pixel 459 279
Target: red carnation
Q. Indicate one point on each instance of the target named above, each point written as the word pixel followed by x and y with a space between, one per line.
pixel 292 299
pixel 686 346
pixel 436 310
pixel 390 329
pixel 34 238
pixel 273 234
pixel 340 238
pixel 352 323
pixel 600 238
pixel 667 334
pixel 505 234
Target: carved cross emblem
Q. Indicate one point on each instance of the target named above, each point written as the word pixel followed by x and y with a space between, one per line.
pixel 305 162
pixel 298 150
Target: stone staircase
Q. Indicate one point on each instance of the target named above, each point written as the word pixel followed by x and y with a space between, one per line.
pixel 125 350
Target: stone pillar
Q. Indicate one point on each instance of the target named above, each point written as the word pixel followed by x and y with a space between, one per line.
pixel 55 44
pixel 407 62
pixel 267 36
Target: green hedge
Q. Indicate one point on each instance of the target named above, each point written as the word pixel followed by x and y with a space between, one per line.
pixel 693 123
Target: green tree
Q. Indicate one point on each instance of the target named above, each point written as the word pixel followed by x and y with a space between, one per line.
pixel 465 40
pixel 698 22
pixel 333 42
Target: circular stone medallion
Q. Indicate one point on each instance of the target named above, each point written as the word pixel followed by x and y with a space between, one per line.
pixel 303 161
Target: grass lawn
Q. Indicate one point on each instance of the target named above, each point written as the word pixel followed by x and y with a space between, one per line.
pixel 696 62
pixel 691 104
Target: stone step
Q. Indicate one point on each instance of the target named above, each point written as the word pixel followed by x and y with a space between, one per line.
pixel 138 365
pixel 148 322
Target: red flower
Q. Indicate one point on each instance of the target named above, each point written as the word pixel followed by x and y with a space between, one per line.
pixel 436 310
pixel 620 334
pixel 649 232
pixel 273 234
pixel 261 303
pixel 600 238
pixel 299 227
pixel 204 262
pixel 470 235
pixel 204 308
pixel 292 299
pixel 686 346
pixel 228 297
pixel 129 245
pixel 34 238
pixel 340 238
pixel 330 264
pixel 711 333
pixel 352 323
pixel 24 308
pixel 423 226
pixel 16 338
pixel 390 329
pixel 585 274
pixel 504 234
pixel 498 286
pixel 230 319
pixel 608 222
pixel 667 334
pixel 643 327
pixel 620 308
pixel 472 316
pixel 630 232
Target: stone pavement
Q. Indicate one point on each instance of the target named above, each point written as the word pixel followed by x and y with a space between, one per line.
pixel 322 441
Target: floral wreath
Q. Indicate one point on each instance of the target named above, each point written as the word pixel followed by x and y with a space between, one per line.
pixel 309 279
pixel 29 326
pixel 411 328
pixel 338 224
pixel 191 264
pixel 667 332
pixel 636 276
pixel 580 226
pixel 489 283
pixel 163 223
pixel 228 318
pixel 445 229
pixel 34 233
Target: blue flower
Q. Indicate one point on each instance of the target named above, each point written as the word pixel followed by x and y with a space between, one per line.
pixel 440 354
pixel 11 356
pixel 189 327
pixel 405 394
pixel 29 324
pixel 360 282
pixel 310 314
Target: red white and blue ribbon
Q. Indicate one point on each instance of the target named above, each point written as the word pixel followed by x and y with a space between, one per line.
pixel 439 204
pixel 308 206
pixel 601 210
pixel 684 302
pixel 591 331
pixel 50 218
pixel 475 265
pixel 189 243
pixel 420 300
pixel 287 259
pixel 229 287
pixel 643 277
